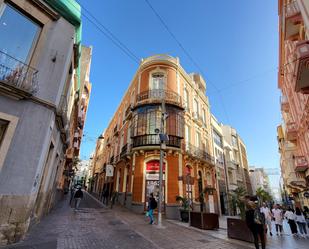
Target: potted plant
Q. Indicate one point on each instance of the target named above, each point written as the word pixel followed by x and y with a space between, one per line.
pixel 237 227
pixel 184 209
pixel 204 220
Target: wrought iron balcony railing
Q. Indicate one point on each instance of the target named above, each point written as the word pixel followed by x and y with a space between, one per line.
pixel 18 74
pixel 157 95
pixel 198 153
pixel 153 139
pixel 125 150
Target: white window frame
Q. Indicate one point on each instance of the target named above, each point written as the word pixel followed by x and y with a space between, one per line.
pixel 8 136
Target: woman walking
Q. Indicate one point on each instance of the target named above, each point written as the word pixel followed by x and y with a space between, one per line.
pixel 290 216
pixel 301 222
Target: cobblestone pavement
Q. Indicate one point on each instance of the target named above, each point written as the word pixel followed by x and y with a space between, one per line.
pixel 96 227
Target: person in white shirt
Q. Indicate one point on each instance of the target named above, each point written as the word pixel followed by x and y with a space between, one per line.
pixel 290 216
pixel 278 216
pixel 267 214
pixel 301 222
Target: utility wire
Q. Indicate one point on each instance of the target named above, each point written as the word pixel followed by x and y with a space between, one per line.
pixel 187 54
pixel 107 33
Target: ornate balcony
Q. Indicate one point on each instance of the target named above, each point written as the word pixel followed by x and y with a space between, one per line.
pixel 301 163
pixel 302 68
pixel 62 113
pixel 284 104
pixel 128 113
pixel 16 77
pixel 294 181
pixel 291 131
pixel 156 96
pixel 198 153
pixel 116 130
pixel 292 20
pixel 198 118
pixel 125 151
pixel 154 140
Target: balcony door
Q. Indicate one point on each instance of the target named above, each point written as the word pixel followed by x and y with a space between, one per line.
pixel 157 85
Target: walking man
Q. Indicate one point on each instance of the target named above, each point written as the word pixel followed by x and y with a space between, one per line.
pixel 78 196
pixel 152 205
pixel 268 216
pixel 278 216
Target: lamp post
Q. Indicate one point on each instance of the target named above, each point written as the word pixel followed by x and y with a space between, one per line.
pixel 163 139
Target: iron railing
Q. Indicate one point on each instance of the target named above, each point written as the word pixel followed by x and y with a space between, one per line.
pixel 125 150
pixel 18 74
pixel 292 9
pixel 153 139
pixel 198 153
pixel 159 94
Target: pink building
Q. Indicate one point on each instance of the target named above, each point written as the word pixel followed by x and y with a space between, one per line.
pixel 293 81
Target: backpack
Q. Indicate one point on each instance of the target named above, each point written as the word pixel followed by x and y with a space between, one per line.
pixel 259 217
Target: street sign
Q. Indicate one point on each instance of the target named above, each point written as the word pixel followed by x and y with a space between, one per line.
pixel 109 170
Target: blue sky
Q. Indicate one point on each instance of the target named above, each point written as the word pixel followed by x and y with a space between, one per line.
pixel 234 42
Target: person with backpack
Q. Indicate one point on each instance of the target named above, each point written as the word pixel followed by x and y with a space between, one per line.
pixel 256 222
pixel 152 205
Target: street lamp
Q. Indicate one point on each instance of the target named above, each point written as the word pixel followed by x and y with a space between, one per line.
pixel 163 139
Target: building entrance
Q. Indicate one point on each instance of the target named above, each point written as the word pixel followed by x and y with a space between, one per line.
pixel 152 182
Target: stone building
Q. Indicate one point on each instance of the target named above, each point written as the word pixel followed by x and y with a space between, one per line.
pixel 40 83
pixel 293 81
pixel 130 144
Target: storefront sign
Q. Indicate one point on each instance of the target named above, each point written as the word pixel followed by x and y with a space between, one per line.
pixel 153 176
pixel 154 166
pixel 109 170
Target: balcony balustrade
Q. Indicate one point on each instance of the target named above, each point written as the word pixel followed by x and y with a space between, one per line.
pixel 62 111
pixel 301 163
pixel 111 161
pixel 116 131
pixel 198 118
pixel 294 181
pixel 198 153
pixel 284 104
pixel 157 95
pixel 154 140
pixel 128 113
pixel 291 131
pixel 16 75
pixel 302 67
pixel 125 151
pixel 292 20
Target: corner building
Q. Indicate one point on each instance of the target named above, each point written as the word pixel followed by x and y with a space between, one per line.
pixel 132 146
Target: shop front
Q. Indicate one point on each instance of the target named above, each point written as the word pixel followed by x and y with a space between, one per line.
pixel 152 182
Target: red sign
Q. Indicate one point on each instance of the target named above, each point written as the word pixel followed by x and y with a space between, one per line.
pixel 154 166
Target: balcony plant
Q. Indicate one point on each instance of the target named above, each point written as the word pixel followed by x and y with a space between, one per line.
pixel 184 209
pixel 236 226
pixel 204 220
